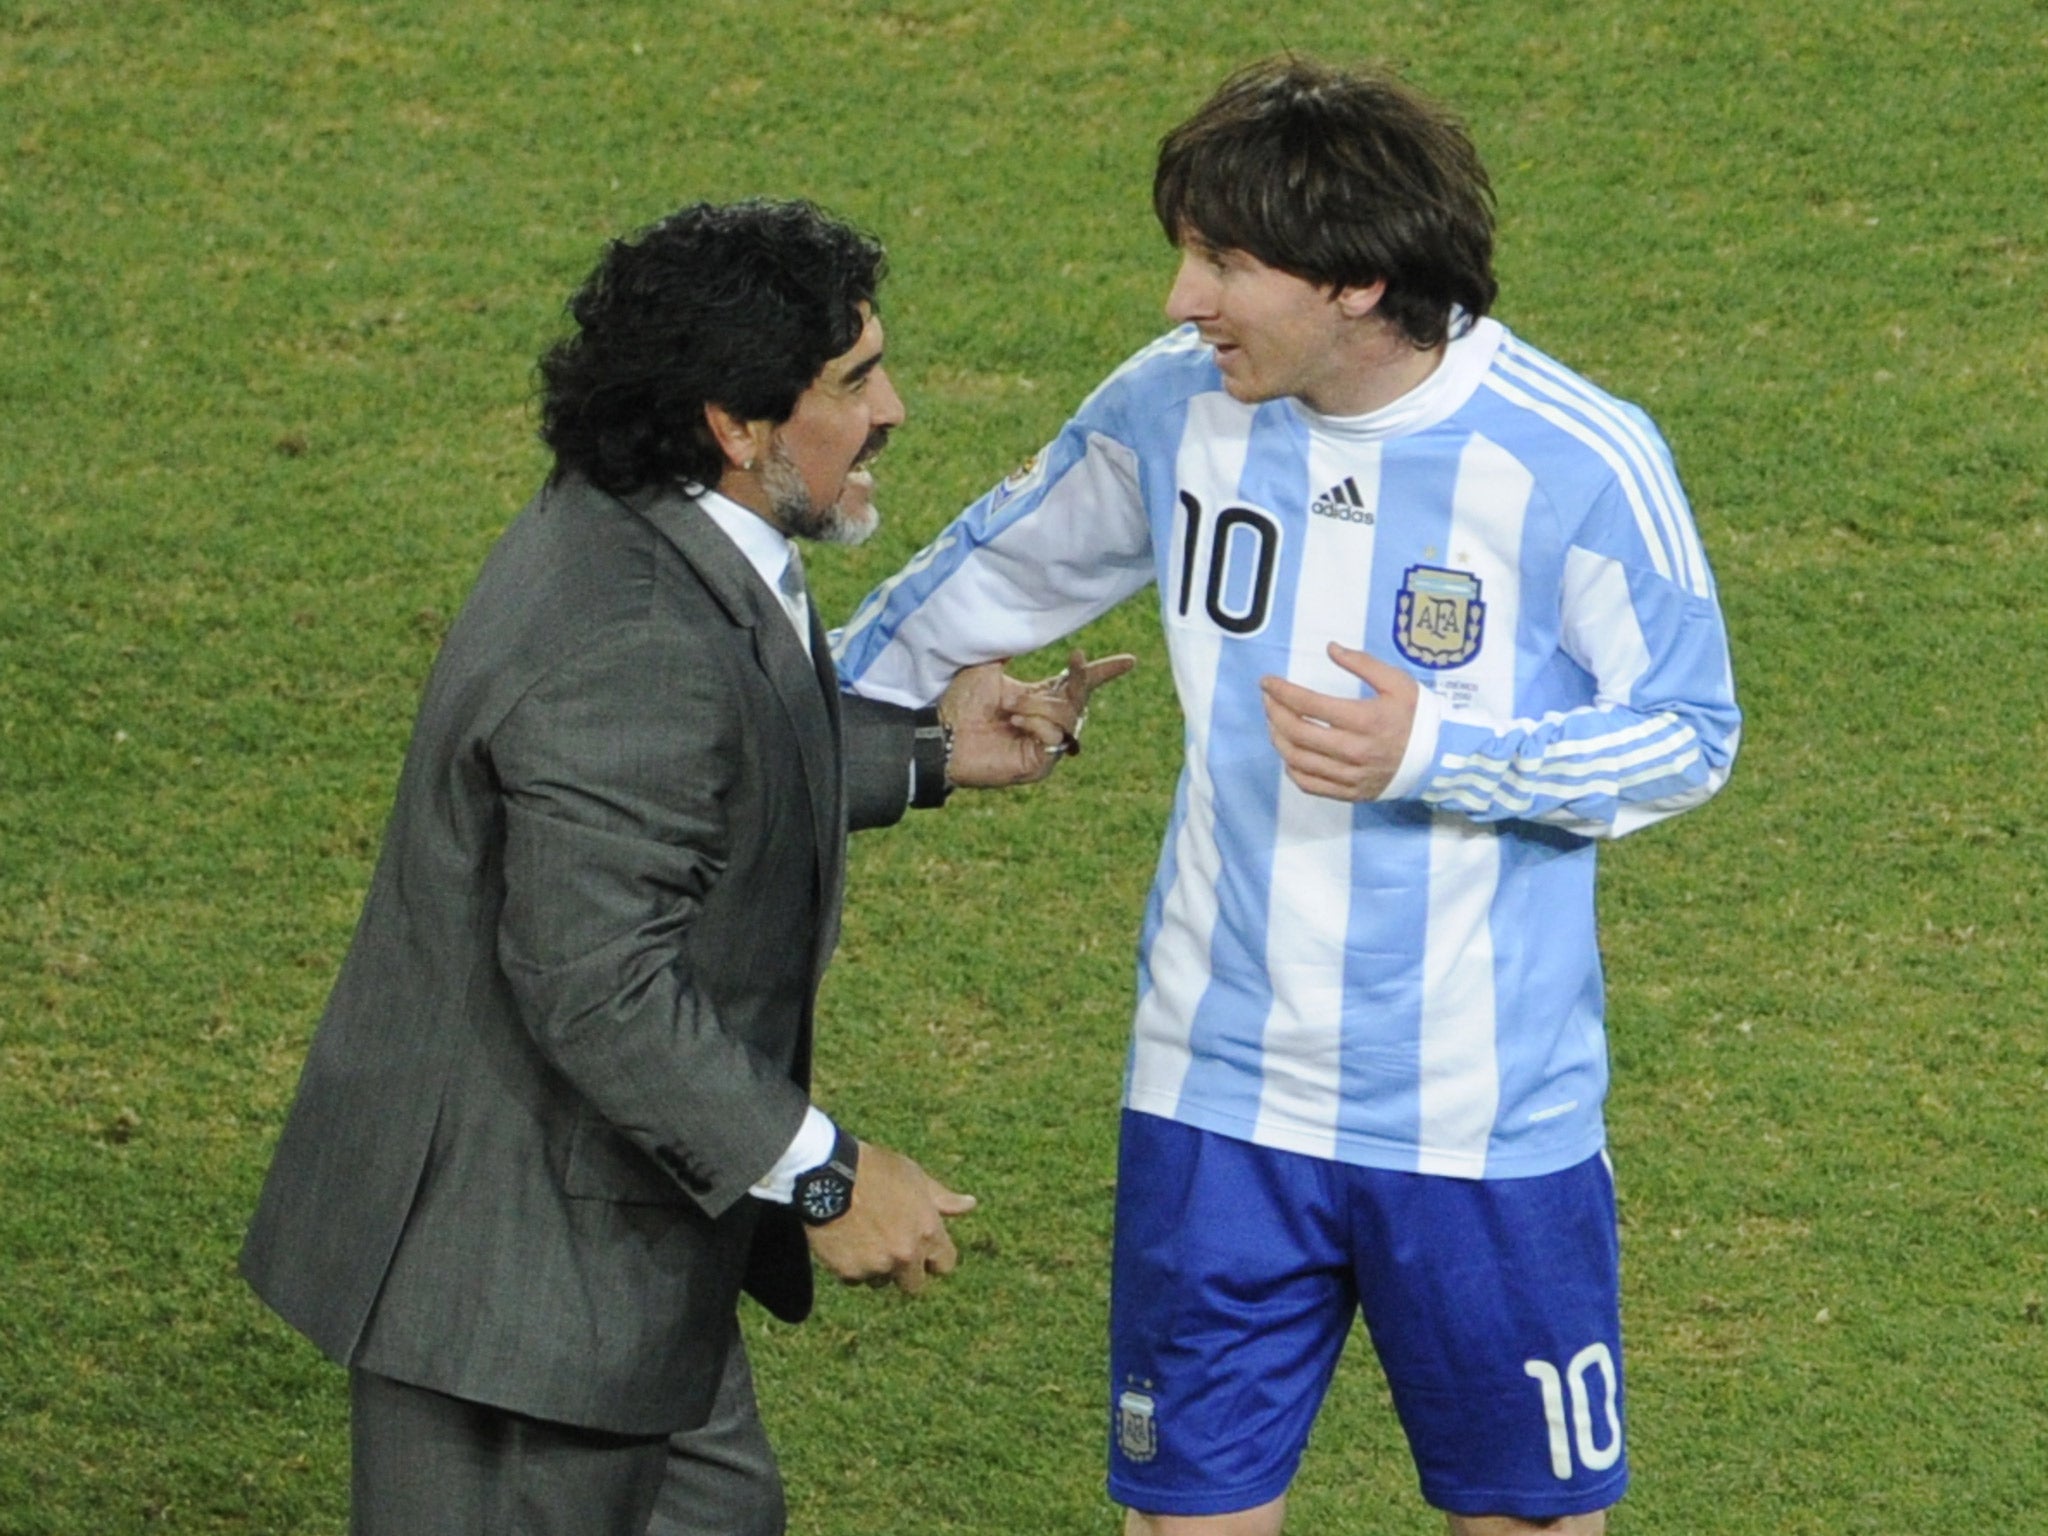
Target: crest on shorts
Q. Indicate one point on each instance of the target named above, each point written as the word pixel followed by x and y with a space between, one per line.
pixel 1438 618
pixel 1137 1431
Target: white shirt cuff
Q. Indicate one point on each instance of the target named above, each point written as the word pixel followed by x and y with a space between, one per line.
pixel 1421 749
pixel 811 1147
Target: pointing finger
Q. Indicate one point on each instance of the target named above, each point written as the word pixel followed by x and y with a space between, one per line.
pixel 1107 670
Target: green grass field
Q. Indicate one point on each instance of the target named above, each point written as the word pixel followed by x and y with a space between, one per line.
pixel 272 280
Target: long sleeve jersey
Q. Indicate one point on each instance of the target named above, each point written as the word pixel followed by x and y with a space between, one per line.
pixel 1412 983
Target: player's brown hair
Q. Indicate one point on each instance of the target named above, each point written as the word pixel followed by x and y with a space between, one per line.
pixel 1342 177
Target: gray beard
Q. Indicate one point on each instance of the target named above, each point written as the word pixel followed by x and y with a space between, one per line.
pixel 797 515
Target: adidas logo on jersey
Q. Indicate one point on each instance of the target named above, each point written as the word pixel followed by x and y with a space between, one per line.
pixel 1342 502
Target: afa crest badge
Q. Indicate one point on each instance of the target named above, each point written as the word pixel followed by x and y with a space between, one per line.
pixel 1137 1431
pixel 1438 618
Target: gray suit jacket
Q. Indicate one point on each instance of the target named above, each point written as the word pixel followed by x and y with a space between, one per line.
pixel 574 1025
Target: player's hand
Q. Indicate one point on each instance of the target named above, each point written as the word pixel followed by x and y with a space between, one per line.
pixel 1343 749
pixel 894 1232
pixel 1006 732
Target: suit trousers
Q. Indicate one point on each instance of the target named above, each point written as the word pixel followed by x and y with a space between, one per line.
pixel 426 1464
pixel 722 1479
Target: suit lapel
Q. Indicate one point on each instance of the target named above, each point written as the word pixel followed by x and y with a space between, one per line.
pixel 832 836
pixel 806 686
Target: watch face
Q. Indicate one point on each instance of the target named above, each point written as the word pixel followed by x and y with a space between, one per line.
pixel 823 1194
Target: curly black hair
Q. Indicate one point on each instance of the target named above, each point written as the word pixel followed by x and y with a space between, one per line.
pixel 738 305
pixel 1342 177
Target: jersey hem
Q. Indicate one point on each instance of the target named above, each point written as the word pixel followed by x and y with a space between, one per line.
pixel 1365 1152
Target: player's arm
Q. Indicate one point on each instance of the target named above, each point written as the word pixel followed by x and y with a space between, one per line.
pixel 1659 737
pixel 1052 548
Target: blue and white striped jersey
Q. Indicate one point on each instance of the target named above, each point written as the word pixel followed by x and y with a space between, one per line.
pixel 1412 983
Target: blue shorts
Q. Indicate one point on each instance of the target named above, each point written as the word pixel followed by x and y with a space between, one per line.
pixel 1493 1304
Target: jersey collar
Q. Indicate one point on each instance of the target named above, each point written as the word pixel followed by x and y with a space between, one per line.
pixel 1438 397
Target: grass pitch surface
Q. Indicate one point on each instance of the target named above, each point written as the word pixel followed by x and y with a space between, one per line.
pixel 272 279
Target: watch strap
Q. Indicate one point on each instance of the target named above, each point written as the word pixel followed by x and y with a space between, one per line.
pixel 931 755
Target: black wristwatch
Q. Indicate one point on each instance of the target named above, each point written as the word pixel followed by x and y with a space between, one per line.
pixel 931 760
pixel 823 1193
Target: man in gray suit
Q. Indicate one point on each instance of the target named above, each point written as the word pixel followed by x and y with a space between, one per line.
pixel 555 1116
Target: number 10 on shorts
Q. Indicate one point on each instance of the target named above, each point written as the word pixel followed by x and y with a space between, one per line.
pixel 1571 1421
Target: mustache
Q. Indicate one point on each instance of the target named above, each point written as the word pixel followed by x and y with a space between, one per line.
pixel 877 441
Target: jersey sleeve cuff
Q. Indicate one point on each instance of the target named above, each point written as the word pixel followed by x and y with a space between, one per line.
pixel 1421 749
